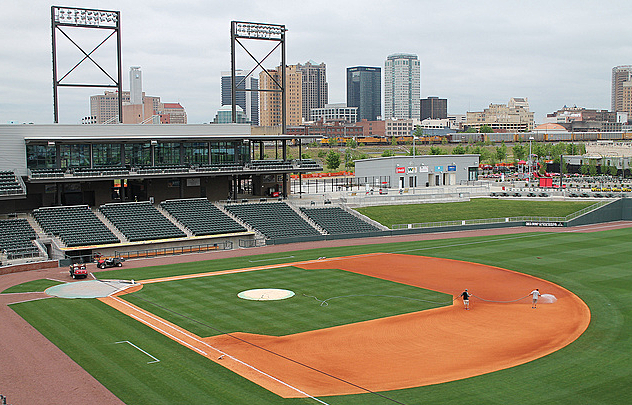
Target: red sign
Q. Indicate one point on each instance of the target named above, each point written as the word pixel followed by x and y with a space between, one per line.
pixel 400 170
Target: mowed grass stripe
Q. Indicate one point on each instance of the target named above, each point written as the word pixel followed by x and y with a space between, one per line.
pixel 87 331
pixel 209 306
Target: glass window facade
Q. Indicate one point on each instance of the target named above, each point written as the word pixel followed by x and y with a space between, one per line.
pixel 77 155
pixel 195 152
pixel 138 154
pixel 41 157
pixel 106 154
pixel 167 153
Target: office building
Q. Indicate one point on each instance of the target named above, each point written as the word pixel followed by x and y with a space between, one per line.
pixel 247 100
pixel 513 117
pixel 335 112
pixel 315 90
pixel 104 110
pixel 135 85
pixel 434 108
pixel 364 91
pixel 621 89
pixel 270 102
pixel 402 86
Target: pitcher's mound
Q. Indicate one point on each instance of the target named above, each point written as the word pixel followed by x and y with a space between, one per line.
pixel 266 294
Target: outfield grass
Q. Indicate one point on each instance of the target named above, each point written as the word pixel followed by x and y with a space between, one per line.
pixel 595 369
pixel 477 208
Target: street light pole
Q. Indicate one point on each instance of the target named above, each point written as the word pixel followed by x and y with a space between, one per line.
pixel 530 157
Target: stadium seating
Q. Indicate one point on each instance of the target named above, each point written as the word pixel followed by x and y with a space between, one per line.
pixel 335 220
pixel 74 225
pixel 16 238
pixel 140 221
pixel 273 219
pixel 9 184
pixel 201 217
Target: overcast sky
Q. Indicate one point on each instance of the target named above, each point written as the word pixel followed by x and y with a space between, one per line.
pixel 473 53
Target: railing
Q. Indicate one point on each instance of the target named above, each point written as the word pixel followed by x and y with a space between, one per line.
pixel 172 251
pixel 462 222
pixel 251 243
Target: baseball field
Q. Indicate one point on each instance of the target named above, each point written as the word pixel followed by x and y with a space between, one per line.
pixel 367 324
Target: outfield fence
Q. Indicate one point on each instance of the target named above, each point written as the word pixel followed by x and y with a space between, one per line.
pixel 518 219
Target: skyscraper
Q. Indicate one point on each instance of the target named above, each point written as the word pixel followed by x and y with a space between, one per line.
pixel 270 102
pixel 314 86
pixel 135 85
pixel 621 82
pixel 402 86
pixel 434 107
pixel 247 100
pixel 364 90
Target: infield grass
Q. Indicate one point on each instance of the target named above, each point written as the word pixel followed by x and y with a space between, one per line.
pixel 477 208
pixel 595 369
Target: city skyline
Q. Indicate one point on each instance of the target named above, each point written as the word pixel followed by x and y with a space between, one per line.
pixel 546 54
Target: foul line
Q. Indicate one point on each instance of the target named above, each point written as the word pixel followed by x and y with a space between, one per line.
pixel 222 353
pixel 138 348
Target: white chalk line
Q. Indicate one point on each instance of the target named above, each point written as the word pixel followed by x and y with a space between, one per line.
pixel 139 349
pixel 222 353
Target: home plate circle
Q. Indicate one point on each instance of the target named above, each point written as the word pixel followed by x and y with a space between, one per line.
pixel 266 294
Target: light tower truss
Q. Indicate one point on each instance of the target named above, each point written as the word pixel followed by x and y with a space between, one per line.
pixel 62 17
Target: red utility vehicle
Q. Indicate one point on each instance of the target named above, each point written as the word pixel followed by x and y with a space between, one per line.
pixel 78 270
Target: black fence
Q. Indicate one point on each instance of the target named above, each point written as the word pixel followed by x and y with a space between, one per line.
pixel 175 250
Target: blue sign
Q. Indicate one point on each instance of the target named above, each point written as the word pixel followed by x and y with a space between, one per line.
pixel 438 168
pixel 452 168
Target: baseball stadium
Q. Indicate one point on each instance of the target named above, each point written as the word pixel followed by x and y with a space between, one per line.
pixel 195 264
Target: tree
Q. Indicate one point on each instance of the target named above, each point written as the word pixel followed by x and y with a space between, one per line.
pixel 583 169
pixel 501 152
pixel 592 168
pixel 388 153
pixel 352 143
pixel 486 129
pixel 458 150
pixel 393 141
pixel 333 160
pixel 333 142
pixel 470 130
pixel 613 170
pixel 520 151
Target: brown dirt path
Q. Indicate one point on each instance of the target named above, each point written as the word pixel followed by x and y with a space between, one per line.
pixel 47 374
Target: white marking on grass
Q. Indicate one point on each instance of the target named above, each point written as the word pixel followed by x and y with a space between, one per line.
pixel 164 332
pixel 139 349
pixel 267 260
pixel 54 279
pixel 32 299
pixel 221 352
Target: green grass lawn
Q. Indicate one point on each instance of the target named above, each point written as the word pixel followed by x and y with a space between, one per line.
pixel 477 208
pixel 32 286
pixel 595 369
pixel 207 306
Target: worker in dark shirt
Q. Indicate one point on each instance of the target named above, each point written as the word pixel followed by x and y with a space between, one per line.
pixel 466 299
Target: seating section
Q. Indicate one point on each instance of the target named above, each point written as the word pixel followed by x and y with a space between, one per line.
pixel 273 219
pixel 75 225
pixel 16 238
pixel 9 184
pixel 335 220
pixel 140 221
pixel 201 217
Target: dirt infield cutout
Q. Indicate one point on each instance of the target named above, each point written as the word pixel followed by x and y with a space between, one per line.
pixel 405 351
